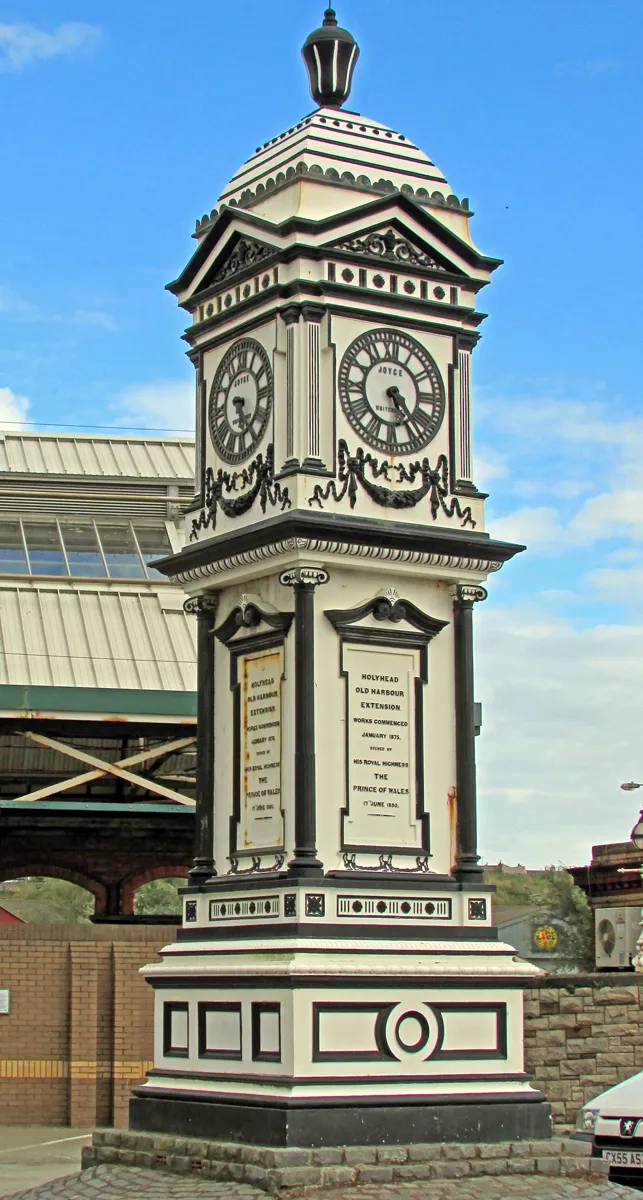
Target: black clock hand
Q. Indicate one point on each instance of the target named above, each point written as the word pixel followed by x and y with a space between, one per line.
pixel 241 419
pixel 403 413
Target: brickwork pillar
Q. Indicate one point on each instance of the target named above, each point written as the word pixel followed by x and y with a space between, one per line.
pixel 83 1040
pixel 133 1050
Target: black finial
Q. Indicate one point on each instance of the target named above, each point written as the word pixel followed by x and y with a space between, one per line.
pixel 330 54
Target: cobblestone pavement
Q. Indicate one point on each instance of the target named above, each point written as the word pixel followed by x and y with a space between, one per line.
pixel 130 1183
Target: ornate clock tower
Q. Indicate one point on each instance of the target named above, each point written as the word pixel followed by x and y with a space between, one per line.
pixel 337 978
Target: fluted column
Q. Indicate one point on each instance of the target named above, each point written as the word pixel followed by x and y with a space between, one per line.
pixel 467 864
pixel 304 580
pixel 205 608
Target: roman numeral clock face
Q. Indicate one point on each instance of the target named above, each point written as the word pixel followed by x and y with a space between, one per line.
pixel 240 400
pixel 391 392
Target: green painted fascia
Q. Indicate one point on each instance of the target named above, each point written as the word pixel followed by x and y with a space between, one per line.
pixel 31 698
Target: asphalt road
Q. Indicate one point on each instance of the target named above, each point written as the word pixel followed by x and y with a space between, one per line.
pixel 32 1155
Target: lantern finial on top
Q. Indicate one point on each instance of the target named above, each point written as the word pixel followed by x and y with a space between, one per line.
pixel 330 54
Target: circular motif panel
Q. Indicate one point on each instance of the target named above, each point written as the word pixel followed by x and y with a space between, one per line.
pixel 411 1033
pixel 391 392
pixel 240 400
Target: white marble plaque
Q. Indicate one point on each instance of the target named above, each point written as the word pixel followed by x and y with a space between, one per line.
pixel 261 817
pixel 380 747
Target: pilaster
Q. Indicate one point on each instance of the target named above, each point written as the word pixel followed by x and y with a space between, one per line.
pixel 467 858
pixel 304 581
pixel 205 608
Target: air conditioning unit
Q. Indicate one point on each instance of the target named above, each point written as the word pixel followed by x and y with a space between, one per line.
pixel 617 931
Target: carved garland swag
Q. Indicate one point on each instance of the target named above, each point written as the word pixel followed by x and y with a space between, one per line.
pixel 258 477
pixel 352 474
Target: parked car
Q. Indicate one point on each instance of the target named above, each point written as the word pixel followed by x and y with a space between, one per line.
pixel 613 1122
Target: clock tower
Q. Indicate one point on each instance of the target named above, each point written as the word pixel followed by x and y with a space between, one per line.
pixel 337 979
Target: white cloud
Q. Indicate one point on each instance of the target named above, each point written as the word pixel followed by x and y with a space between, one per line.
pixel 624 585
pixel 561 731
pixel 22 44
pixel 537 528
pixel 13 409
pixel 617 512
pixel 163 405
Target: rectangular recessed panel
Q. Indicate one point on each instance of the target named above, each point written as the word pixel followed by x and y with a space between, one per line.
pixel 220 1030
pixel 397 908
pixel 269 1032
pixel 266 1032
pixel 347 1032
pixel 470 1030
pixel 257 908
pixel 176 1029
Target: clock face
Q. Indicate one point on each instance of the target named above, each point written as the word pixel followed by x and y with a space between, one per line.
pixel 240 400
pixel 391 391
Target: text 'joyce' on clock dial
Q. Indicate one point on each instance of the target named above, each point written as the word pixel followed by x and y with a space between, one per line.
pixel 391 391
pixel 240 400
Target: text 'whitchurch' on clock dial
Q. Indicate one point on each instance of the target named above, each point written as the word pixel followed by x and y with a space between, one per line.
pixel 391 391
pixel 240 400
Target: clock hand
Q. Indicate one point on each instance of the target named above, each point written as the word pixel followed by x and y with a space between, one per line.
pixel 241 419
pixel 403 413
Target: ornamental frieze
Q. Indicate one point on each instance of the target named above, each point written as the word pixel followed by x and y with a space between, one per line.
pixel 390 248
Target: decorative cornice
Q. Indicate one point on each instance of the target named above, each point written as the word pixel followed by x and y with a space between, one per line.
pixel 323 546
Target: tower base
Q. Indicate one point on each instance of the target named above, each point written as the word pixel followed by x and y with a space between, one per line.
pixel 282 1021
pixel 312 1126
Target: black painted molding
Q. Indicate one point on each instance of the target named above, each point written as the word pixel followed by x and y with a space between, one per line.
pixel 204 867
pixel 385 608
pixel 250 616
pixel 350 530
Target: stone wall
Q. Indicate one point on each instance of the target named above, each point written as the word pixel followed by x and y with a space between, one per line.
pixel 583 1034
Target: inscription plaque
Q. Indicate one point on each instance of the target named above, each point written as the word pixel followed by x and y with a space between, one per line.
pixel 381 775
pixel 261 815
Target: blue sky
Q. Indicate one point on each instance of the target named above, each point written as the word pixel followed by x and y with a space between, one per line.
pixel 120 126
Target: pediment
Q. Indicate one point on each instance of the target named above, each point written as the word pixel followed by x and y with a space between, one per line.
pixel 385 245
pixel 245 254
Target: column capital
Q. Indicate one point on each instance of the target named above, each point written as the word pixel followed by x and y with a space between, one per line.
pixel 304 576
pixel 202 605
pixel 468 593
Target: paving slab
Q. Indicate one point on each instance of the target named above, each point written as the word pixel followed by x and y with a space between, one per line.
pixel 129 1183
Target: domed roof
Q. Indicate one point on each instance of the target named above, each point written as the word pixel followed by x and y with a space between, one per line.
pixel 345 149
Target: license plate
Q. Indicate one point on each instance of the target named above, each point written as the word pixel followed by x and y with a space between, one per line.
pixel 623 1158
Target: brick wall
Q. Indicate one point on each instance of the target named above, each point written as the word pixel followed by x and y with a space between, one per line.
pixel 582 1035
pixel 80 1031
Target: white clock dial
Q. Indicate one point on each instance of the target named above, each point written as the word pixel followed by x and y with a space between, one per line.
pixel 391 391
pixel 241 400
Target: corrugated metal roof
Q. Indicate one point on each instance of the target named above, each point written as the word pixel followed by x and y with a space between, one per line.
pixel 100 456
pixel 75 636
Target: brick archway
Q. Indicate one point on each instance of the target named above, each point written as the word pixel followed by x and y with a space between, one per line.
pixel 50 871
pixel 131 885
